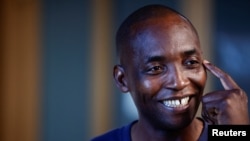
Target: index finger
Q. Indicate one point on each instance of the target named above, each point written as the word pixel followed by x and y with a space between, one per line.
pixel 227 82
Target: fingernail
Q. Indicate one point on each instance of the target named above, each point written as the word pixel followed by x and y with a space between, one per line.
pixel 206 62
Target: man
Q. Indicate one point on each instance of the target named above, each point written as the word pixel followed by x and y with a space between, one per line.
pixel 162 66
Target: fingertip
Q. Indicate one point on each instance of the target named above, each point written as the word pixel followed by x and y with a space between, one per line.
pixel 206 62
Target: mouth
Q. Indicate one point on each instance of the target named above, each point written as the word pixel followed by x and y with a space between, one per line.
pixel 176 103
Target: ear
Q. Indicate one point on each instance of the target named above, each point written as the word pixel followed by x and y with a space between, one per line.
pixel 120 78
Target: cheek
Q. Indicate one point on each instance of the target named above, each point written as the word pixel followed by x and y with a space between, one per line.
pixel 200 78
pixel 148 87
pixel 147 84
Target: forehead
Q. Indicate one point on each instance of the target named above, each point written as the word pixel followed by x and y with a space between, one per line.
pixel 158 36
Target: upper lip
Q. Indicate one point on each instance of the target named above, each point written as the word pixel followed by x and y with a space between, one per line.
pixel 175 97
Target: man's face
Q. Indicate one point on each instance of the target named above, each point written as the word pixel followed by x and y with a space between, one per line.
pixel 165 74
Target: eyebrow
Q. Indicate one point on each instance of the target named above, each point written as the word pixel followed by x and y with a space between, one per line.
pixel 162 58
pixel 155 58
pixel 190 52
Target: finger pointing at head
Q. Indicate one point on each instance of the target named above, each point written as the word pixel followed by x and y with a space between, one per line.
pixel 227 82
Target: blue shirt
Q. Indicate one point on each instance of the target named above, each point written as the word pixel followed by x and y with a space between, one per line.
pixel 123 134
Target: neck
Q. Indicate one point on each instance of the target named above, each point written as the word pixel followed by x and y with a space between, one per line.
pixel 142 132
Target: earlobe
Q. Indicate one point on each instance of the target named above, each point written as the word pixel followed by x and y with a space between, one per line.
pixel 119 77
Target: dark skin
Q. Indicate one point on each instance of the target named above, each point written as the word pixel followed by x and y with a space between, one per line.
pixel 164 71
pixel 227 103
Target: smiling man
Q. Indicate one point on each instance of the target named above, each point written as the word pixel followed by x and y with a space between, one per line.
pixel 162 66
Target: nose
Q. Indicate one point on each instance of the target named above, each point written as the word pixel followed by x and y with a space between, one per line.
pixel 176 79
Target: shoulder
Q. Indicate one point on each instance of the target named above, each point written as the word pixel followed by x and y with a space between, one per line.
pixel 113 135
pixel 118 134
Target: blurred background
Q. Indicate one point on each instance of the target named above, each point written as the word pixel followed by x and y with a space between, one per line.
pixel 57 57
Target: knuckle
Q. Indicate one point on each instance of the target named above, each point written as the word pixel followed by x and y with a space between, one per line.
pixel 235 95
pixel 225 75
pixel 225 103
pixel 238 93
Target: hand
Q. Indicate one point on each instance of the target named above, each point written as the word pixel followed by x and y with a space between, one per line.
pixel 229 106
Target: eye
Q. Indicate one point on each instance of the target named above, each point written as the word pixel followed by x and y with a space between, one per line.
pixel 156 69
pixel 192 63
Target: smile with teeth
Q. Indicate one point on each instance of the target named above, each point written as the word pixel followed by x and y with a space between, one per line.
pixel 176 103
